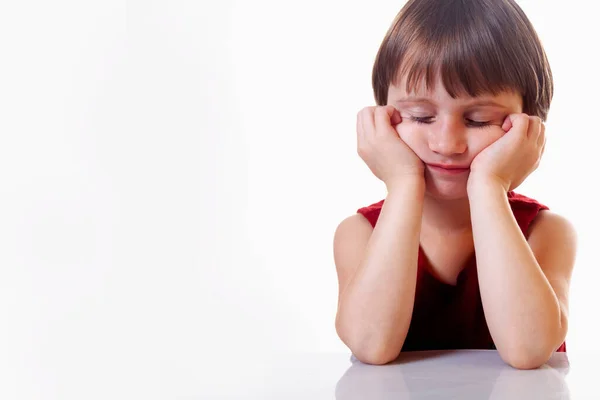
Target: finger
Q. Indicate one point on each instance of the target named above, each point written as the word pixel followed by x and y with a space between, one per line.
pixel 360 129
pixel 383 117
pixel 395 118
pixel 359 133
pixel 534 128
pixel 543 145
pixel 369 122
pixel 542 136
pixel 520 124
pixel 507 124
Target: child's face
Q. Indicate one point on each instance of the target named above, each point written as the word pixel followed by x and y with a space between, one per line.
pixel 443 130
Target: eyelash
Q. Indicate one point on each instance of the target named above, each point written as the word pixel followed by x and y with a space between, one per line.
pixel 472 124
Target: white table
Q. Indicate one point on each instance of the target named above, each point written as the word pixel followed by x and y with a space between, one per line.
pixel 464 374
pixel 454 375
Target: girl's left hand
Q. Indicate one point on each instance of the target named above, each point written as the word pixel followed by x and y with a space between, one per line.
pixel 513 157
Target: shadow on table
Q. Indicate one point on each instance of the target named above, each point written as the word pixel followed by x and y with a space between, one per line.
pixel 450 375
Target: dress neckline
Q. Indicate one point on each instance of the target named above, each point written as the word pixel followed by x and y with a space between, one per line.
pixel 460 279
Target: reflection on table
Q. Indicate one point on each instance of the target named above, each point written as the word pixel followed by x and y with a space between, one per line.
pixel 461 374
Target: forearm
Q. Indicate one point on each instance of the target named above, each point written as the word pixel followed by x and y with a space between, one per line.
pixel 376 306
pixel 521 309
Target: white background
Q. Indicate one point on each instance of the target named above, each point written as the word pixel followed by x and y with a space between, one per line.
pixel 172 173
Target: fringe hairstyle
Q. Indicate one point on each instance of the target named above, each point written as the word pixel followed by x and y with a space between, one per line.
pixel 478 47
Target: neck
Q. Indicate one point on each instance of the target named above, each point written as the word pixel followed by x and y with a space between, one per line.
pixel 446 216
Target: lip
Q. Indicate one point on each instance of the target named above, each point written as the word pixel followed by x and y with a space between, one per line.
pixel 448 169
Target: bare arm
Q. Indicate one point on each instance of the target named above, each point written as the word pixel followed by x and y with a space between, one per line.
pixel 377 274
pixel 524 285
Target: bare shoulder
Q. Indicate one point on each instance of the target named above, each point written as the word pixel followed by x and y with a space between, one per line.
pixel 353 222
pixel 349 244
pixel 553 240
pixel 551 227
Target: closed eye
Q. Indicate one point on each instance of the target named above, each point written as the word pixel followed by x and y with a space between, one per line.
pixel 470 122
pixel 422 120
pixel 477 124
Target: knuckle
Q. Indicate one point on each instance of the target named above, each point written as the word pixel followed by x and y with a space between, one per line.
pixel 524 119
pixel 362 152
pixel 364 110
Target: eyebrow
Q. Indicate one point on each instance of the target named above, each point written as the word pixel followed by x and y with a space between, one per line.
pixel 425 100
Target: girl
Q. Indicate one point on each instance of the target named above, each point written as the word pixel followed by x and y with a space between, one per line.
pixel 453 258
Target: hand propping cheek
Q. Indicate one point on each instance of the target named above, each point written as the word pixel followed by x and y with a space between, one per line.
pixel 515 155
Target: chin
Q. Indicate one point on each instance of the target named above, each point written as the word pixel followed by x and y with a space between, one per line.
pixel 446 190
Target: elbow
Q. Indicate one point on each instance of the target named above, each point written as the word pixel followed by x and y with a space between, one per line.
pixel 367 348
pixel 525 360
pixel 527 357
pixel 530 355
pixel 375 357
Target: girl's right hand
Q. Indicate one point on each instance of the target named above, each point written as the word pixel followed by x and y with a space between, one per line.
pixel 381 148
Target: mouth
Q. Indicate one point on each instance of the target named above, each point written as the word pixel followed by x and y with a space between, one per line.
pixel 448 169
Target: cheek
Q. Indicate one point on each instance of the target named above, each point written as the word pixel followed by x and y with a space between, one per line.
pixel 410 135
pixel 480 140
pixel 414 139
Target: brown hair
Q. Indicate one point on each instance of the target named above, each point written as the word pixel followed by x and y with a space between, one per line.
pixel 478 47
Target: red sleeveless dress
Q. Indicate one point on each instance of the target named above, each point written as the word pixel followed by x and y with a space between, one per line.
pixel 449 317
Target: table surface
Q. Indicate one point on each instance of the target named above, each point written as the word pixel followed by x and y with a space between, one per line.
pixel 461 374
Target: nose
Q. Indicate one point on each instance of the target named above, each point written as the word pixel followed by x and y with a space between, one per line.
pixel 448 137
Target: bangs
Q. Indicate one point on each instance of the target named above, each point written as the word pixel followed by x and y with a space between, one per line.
pixel 475 47
pixel 467 67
